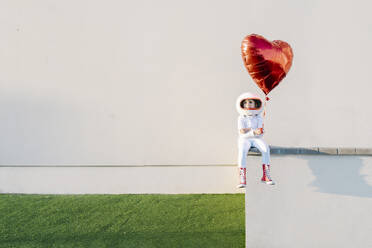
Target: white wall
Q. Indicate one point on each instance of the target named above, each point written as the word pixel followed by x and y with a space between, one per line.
pixel 155 82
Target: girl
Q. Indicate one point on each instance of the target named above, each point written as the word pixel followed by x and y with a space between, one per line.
pixel 250 127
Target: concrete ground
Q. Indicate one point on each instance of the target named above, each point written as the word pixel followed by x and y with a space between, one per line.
pixel 318 201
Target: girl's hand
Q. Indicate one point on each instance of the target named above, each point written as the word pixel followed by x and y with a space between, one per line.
pixel 245 130
pixel 258 131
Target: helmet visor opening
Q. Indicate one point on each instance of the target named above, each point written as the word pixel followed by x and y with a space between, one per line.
pixel 257 103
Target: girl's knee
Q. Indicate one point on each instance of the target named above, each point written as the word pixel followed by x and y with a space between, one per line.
pixel 265 149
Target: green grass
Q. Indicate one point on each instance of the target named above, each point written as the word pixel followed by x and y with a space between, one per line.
pixel 194 220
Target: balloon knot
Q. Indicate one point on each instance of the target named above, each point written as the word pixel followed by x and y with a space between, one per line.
pixel 267 98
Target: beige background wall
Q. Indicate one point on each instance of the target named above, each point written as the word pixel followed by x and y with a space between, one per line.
pixel 155 82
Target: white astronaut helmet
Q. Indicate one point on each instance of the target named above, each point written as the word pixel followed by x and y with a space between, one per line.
pixel 249 111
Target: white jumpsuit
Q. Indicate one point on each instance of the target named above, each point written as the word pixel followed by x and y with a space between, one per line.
pixel 250 119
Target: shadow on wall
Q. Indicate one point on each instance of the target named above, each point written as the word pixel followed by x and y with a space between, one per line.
pixel 339 175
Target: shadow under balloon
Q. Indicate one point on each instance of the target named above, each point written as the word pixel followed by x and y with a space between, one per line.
pixel 339 175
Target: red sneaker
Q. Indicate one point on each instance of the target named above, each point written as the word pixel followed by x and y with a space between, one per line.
pixel 266 175
pixel 243 178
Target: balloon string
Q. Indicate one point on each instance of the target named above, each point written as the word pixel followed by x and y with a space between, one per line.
pixel 264 114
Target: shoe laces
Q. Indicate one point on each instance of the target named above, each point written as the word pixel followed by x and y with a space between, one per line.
pixel 267 172
pixel 242 176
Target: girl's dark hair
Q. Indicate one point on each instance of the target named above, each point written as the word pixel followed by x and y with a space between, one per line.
pixel 257 103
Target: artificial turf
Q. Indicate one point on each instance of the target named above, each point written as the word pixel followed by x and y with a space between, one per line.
pixel 125 220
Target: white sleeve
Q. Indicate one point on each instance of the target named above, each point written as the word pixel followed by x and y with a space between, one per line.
pixel 260 121
pixel 241 123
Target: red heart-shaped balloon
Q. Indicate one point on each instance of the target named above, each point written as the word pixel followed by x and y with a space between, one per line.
pixel 267 62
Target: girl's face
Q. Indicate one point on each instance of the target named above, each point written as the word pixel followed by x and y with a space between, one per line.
pixel 249 104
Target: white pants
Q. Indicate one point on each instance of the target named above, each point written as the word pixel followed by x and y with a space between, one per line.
pixel 245 144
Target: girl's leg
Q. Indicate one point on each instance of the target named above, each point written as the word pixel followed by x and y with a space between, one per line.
pixel 265 151
pixel 263 148
pixel 244 145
